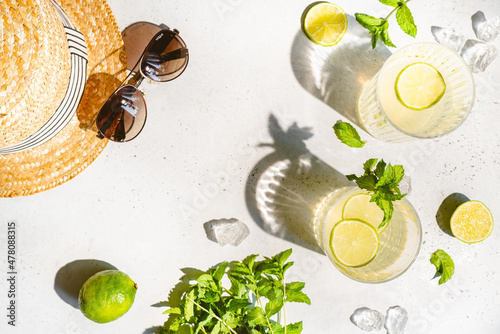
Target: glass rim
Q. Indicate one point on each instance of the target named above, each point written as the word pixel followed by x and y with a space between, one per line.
pixel 468 71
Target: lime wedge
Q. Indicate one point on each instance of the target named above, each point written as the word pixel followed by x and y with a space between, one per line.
pixel 324 23
pixel 471 222
pixel 359 207
pixel 354 243
pixel 419 86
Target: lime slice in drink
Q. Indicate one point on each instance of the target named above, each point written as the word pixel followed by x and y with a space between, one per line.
pixel 471 222
pixel 353 242
pixel 359 207
pixel 419 86
pixel 324 23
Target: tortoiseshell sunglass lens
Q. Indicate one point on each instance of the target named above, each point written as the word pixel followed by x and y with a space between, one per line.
pixel 123 115
pixel 166 57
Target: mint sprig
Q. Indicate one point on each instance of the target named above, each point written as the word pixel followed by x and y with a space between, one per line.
pixel 379 27
pixel 381 180
pixel 207 306
pixel 347 134
pixel 445 267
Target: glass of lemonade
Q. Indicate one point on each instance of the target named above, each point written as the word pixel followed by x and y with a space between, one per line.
pixel 389 251
pixel 424 90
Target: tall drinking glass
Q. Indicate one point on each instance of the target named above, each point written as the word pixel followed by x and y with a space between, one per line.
pixel 382 114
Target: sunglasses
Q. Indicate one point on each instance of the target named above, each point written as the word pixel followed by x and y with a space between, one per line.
pixel 123 115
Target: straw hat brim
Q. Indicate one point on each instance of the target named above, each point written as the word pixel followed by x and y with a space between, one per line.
pixel 76 146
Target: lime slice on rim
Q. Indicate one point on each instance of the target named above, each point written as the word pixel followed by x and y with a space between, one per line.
pixel 354 243
pixel 419 86
pixel 471 222
pixel 358 206
pixel 324 23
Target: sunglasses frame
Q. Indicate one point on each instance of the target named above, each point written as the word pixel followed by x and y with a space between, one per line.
pixel 136 76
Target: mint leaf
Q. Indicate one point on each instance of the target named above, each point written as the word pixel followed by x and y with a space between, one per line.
pixel 405 20
pixel 444 265
pixel 351 177
pixel 173 310
pixel 255 316
pixel 295 286
pixel 367 182
pixel 368 22
pixel 297 297
pixel 385 35
pixel 393 3
pixel 276 329
pixel 219 271
pixel 207 281
pixel 274 306
pixel 380 170
pixel 388 209
pixel 295 328
pixel 375 36
pixel 369 165
pixel 391 177
pixel 283 256
pixel 348 134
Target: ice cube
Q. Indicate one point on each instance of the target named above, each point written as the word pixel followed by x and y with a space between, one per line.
pixel 395 320
pixel 449 38
pixel 486 30
pixel 478 55
pixel 405 184
pixel 367 319
pixel 226 231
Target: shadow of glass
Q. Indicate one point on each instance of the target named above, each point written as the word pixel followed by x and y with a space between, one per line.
pixel 446 209
pixel 70 278
pixel 285 186
pixel 336 75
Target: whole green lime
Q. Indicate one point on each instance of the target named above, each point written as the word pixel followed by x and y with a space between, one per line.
pixel 107 295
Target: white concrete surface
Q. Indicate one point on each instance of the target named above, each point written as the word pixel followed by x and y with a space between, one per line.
pixel 141 206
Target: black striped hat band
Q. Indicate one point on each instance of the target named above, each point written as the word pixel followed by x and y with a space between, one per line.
pixel 74 92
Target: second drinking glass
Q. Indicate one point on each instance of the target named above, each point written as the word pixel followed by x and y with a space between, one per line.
pixel 424 90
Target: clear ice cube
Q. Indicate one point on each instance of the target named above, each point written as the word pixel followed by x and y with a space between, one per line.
pixel 486 30
pixel 405 184
pixel 478 55
pixel 367 319
pixel 226 231
pixel 448 38
pixel 395 320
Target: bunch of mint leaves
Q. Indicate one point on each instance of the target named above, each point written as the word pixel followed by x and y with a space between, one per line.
pixel 381 180
pixel 207 306
pixel 379 27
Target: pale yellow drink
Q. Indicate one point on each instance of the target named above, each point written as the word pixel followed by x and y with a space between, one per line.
pixel 383 115
pixel 399 241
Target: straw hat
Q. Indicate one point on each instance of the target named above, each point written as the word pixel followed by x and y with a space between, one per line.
pixel 49 94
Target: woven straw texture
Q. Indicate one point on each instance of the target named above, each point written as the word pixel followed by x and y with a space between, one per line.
pixel 34 67
pixel 76 146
